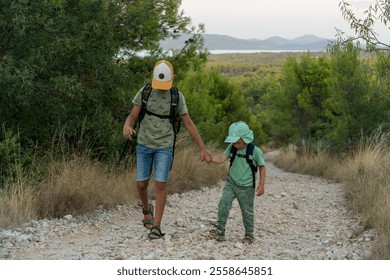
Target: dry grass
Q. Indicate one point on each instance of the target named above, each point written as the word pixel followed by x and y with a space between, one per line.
pixel 317 164
pixel 365 175
pixel 77 186
pixel 17 204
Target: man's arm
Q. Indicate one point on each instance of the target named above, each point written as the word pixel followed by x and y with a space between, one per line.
pixel 128 127
pixel 193 131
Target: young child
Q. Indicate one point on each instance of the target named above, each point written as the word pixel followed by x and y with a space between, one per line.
pixel 240 182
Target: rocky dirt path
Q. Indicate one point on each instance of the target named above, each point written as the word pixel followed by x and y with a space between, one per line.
pixel 298 217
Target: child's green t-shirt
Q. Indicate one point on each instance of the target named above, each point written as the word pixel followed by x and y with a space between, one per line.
pixel 240 170
pixel 155 132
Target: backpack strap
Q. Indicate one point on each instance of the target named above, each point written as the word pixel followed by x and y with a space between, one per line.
pixel 174 117
pixel 145 97
pixel 249 159
pixel 174 113
pixel 232 156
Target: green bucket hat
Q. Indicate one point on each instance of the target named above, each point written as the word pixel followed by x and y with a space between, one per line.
pixel 239 130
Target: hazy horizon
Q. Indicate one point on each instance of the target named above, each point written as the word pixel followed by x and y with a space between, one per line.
pixel 262 19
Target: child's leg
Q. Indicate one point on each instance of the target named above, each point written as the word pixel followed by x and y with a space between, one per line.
pixel 245 197
pixel 225 204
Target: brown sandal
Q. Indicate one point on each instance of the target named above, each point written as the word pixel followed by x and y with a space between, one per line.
pixel 155 233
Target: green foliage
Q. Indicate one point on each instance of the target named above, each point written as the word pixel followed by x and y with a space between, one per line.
pixel 278 115
pixel 382 75
pixel 10 166
pixel 59 72
pixel 354 110
pixel 69 69
pixel 214 102
pixel 16 164
pixel 307 85
pixel 332 101
pixel 367 36
pixel 295 110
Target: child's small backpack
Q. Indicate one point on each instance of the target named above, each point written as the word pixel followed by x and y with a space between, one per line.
pixel 249 159
pixel 174 117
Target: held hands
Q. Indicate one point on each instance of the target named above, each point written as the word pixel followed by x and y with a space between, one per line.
pixel 205 156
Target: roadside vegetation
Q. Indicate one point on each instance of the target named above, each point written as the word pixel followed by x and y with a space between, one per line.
pixel 364 173
pixel 77 185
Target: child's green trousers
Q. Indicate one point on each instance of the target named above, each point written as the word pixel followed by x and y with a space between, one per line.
pixel 245 197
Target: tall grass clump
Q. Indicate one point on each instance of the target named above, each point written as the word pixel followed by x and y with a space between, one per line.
pixel 78 185
pixel 365 175
pixel 19 172
pixel 306 158
pixel 18 204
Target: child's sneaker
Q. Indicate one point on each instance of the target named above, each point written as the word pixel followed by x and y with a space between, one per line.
pixel 247 239
pixel 221 237
pixel 218 234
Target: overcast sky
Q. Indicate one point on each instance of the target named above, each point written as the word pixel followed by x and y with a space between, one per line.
pixel 262 19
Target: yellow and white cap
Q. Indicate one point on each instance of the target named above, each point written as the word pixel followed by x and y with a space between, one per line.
pixel 162 75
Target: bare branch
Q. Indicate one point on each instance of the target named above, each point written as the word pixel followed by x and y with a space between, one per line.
pixel 364 28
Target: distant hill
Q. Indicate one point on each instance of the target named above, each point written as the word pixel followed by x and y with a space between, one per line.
pixel 224 42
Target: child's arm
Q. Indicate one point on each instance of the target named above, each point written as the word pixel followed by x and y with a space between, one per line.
pixel 218 159
pixel 260 186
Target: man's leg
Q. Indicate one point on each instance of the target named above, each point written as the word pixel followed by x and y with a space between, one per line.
pixel 162 164
pixel 142 188
pixel 144 169
pixel 161 197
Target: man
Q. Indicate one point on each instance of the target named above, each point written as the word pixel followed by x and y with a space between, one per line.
pixel 155 142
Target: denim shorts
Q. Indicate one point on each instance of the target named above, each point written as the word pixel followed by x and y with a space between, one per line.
pixel 158 159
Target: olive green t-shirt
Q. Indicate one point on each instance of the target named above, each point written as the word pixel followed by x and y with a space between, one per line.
pixel 154 131
pixel 240 170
